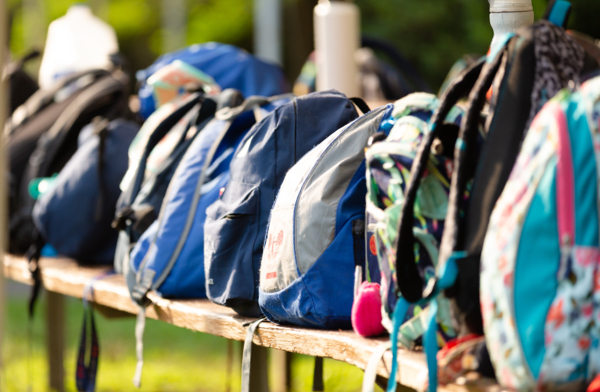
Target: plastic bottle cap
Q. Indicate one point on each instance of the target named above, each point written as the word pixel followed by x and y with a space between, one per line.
pixel 510 6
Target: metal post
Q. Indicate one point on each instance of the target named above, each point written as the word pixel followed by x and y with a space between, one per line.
pixel 267 30
pixel 3 231
pixel 174 24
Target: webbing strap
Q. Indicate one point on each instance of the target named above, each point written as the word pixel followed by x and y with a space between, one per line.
pixel 140 325
pixel 431 345
pixel 399 315
pixel 247 354
pixel 85 376
pixel 368 384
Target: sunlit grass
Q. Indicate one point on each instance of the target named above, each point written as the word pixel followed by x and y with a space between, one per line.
pixel 176 359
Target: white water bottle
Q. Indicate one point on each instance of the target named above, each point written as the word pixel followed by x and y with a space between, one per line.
pixel 507 16
pixel 337 38
pixel 76 42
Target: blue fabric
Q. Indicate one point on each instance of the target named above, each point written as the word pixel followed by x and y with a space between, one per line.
pixel 538 260
pixel 312 300
pixel 399 315
pixel 66 214
pixel 236 223
pixel 186 278
pixel 231 67
pixel 431 345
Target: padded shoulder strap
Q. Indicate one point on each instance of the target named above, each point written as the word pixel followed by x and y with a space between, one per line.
pixel 410 283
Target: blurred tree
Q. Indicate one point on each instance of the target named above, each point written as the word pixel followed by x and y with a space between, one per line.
pixel 432 34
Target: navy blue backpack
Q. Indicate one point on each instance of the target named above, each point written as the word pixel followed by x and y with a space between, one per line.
pixel 237 222
pixel 229 66
pixel 169 257
pixel 140 203
pixel 74 215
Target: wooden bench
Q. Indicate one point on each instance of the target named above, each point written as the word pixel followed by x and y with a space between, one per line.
pixel 64 277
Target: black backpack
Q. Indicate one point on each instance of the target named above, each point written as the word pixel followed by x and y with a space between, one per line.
pixel 41 136
pixel 21 86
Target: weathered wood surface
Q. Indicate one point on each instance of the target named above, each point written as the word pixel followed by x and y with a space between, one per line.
pixel 65 277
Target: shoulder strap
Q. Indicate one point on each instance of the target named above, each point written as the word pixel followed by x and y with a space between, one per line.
pixel 361 104
pixel 143 285
pixel 410 283
pixel 41 98
pixel 465 159
pixel 161 130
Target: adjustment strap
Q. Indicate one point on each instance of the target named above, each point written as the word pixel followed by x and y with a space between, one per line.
pixel 33 256
pixel 399 315
pixel 140 325
pixel 247 354
pixel 368 384
pixel 101 129
pixel 85 376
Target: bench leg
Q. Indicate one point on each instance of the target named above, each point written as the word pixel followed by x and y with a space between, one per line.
pixel 259 375
pixel 55 327
pixel 281 365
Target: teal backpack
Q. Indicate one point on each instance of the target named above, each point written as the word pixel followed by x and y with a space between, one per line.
pixel 540 279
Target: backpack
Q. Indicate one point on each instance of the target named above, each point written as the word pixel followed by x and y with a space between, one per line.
pixel 229 66
pixel 172 248
pixel 236 223
pixel 389 163
pixel 41 136
pixel 21 86
pixel 316 231
pixel 540 292
pixel 139 204
pixel 74 215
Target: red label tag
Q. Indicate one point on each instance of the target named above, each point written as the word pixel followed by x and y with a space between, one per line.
pixel 271 275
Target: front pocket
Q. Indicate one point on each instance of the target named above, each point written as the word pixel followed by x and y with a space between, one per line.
pixel 230 233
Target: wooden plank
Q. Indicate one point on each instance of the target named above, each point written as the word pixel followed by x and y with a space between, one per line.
pixel 55 339
pixel 66 277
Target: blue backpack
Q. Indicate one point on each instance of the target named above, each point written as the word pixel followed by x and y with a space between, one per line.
pixel 140 203
pixel 316 234
pixel 229 66
pixel 75 214
pixel 169 257
pixel 236 223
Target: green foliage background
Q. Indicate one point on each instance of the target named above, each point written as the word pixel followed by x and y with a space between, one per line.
pixel 431 33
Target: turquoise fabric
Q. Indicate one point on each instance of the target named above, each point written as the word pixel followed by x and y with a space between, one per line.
pixel 586 192
pixel 560 11
pixel 537 264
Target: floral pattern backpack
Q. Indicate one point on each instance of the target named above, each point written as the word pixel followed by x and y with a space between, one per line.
pixel 389 165
pixel 540 279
